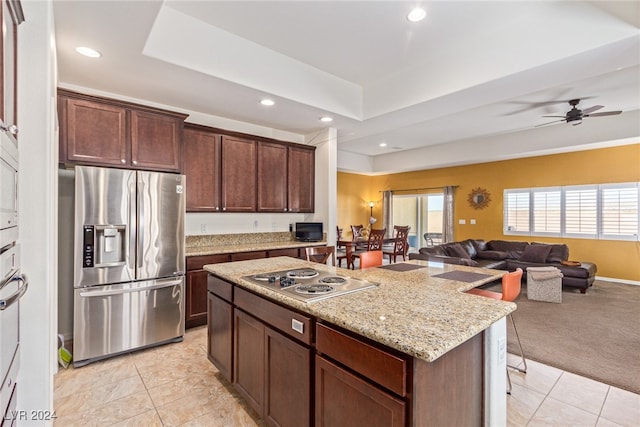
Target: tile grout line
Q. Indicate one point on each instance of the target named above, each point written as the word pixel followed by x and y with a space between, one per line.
pixel 604 402
pixel 546 396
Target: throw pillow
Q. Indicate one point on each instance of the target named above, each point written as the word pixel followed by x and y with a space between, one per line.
pixel 456 250
pixel 535 253
pixel 514 254
pixel 494 255
pixel 559 252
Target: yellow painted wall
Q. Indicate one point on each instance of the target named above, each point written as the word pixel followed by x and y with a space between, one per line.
pixel 616 259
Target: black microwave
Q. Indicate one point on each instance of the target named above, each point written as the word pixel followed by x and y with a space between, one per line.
pixel 309 231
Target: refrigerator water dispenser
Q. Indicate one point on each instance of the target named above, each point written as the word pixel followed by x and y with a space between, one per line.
pixel 104 245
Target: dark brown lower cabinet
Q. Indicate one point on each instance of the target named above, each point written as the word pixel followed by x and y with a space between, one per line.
pixel 196 288
pixel 288 381
pixel 195 304
pixel 343 399
pixel 271 372
pixel 220 334
pixel 248 366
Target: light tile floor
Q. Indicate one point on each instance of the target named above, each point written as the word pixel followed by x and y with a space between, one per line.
pixel 176 385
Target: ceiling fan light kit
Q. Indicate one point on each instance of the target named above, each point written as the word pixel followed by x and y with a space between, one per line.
pixel 575 115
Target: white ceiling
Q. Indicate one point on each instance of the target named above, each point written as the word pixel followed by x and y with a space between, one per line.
pixel 465 78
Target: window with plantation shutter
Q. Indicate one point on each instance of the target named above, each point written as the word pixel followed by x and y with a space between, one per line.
pixel 581 211
pixel 547 218
pixel 516 211
pixel 602 211
pixel 619 211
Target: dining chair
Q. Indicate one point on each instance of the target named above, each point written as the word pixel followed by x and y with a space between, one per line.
pixel 370 259
pixel 374 243
pixel 400 245
pixel 341 251
pixel 433 239
pixel 320 254
pixel 356 230
pixel 511 286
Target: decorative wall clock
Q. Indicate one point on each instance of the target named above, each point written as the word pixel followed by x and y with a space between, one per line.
pixel 479 198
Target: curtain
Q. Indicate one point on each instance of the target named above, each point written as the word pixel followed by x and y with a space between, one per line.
pixel 447 215
pixel 387 212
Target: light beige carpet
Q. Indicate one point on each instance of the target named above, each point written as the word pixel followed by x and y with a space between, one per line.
pixel 596 335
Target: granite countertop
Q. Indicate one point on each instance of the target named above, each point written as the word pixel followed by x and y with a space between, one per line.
pixel 410 311
pixel 247 247
pixel 245 242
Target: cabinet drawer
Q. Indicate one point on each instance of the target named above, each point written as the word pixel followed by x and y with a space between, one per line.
pixel 291 252
pixel 197 262
pixel 243 256
pixel 275 315
pixel 384 368
pixel 220 287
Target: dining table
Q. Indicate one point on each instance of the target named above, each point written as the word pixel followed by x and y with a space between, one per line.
pixel 352 245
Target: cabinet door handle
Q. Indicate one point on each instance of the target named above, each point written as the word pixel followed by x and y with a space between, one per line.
pixel 217 208
pixel 224 209
pixel 135 162
pixel 123 161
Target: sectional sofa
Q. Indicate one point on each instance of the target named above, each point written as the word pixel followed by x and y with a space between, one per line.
pixel 509 255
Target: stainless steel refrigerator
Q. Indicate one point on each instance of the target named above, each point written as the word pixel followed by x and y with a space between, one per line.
pixel 128 261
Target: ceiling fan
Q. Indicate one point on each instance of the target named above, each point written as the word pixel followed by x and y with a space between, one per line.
pixel 575 116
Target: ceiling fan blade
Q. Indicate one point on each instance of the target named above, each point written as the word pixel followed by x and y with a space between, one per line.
pixel 591 109
pixel 555 116
pixel 549 123
pixel 604 113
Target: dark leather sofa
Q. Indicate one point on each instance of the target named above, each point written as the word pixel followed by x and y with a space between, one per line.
pixel 510 255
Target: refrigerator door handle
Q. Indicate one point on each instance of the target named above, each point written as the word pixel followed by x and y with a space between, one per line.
pixel 132 225
pixel 9 301
pixel 159 284
pixel 141 219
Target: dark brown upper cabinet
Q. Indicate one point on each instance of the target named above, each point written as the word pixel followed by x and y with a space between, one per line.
pixel 301 179
pixel 272 177
pixel 202 169
pixel 238 193
pixel 286 175
pixel 105 132
pixel 237 173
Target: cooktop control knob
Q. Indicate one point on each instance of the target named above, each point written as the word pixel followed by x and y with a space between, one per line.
pixel 287 281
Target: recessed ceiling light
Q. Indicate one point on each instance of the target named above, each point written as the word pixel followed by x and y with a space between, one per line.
pixel 87 51
pixel 417 14
pixel 326 119
pixel 267 102
pixel 383 144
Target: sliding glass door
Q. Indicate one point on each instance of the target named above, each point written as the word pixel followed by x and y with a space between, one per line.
pixel 423 212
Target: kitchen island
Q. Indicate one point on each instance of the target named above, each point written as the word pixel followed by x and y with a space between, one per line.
pixel 413 350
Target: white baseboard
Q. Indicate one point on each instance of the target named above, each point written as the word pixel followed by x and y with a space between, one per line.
pixel 613 279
